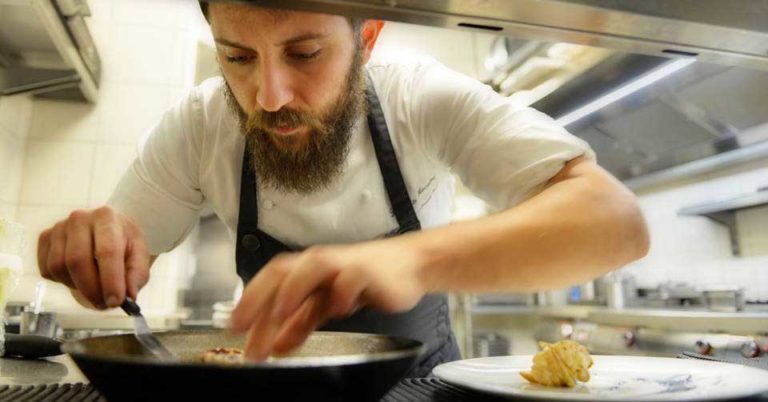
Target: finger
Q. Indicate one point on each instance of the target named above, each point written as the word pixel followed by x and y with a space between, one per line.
pixel 43 243
pixel 55 261
pixel 311 315
pixel 346 293
pixel 261 337
pixel 109 251
pixel 136 262
pixel 259 293
pixel 313 270
pixel 78 256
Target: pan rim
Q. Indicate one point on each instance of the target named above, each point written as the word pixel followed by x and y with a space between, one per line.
pixel 74 349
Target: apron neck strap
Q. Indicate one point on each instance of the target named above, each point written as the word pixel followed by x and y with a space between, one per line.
pixel 399 199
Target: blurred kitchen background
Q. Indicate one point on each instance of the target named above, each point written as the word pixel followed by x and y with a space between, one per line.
pixel 83 82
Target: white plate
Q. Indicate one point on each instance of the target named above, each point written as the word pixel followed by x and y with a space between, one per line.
pixel 613 378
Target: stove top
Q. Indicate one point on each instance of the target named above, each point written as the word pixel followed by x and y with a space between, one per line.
pixel 757 362
pixel 408 390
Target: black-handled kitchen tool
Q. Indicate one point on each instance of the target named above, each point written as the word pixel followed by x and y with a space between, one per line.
pixel 30 346
pixel 142 332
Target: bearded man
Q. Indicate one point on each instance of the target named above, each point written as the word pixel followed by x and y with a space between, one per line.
pixel 335 178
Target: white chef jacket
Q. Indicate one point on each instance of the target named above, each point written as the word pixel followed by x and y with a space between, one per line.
pixel 440 122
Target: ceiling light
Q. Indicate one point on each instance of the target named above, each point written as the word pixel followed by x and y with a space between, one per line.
pixel 631 87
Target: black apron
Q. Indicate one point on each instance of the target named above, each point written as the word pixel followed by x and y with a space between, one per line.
pixel 428 321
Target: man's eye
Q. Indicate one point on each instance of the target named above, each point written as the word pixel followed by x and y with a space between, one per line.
pixel 239 59
pixel 304 56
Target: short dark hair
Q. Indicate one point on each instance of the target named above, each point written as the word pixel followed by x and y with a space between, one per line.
pixel 356 23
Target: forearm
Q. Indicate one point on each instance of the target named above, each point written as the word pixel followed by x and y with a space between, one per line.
pixel 582 225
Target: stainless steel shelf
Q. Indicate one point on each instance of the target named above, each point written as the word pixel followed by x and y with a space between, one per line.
pixel 580 312
pixel 681 320
pixel 723 211
pixel 746 322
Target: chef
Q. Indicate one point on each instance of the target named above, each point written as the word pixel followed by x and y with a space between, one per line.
pixel 335 178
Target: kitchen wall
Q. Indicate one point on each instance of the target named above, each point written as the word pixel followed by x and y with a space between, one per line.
pixel 15 113
pixel 697 250
pixel 75 153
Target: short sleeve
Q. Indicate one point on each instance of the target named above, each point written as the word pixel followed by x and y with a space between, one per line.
pixel 161 189
pixel 503 151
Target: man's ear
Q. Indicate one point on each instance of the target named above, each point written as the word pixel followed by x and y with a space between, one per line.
pixel 370 33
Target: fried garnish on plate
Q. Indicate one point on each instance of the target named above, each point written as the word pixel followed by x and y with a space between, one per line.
pixel 559 364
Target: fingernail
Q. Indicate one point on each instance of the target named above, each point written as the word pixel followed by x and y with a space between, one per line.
pixel 112 301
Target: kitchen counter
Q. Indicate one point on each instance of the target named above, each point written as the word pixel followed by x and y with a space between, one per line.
pixel 58 369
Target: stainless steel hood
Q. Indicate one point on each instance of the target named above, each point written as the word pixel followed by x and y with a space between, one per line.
pixel 702 114
pixel 731 32
pixel 46 49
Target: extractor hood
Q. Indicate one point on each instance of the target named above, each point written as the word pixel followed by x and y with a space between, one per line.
pixel 706 115
pixel 731 32
pixel 46 49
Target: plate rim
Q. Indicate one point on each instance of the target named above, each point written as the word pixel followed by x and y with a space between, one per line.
pixel 729 394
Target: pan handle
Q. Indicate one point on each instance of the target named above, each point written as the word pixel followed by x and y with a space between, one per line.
pixel 31 346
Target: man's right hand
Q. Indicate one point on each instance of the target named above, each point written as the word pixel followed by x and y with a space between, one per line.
pixel 100 254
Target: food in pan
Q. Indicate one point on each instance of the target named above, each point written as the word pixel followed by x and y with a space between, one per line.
pixel 559 365
pixel 227 356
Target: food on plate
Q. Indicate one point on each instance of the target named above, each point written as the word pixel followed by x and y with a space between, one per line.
pixel 559 364
pixel 228 356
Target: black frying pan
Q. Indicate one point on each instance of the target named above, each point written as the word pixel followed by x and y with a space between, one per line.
pixel 330 366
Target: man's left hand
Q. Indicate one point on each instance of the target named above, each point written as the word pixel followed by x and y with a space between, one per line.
pixel 296 293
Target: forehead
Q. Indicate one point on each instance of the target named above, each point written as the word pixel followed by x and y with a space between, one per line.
pixel 243 22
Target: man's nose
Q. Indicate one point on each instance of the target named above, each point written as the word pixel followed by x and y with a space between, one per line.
pixel 274 90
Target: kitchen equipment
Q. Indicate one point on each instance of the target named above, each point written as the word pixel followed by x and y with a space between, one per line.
pixel 615 294
pixel 613 378
pixel 42 324
pixel 723 31
pixel 35 322
pixel 551 298
pixel 13 312
pixel 669 295
pixel 222 311
pixel 47 50
pixel 490 344
pixel 723 336
pixel 37 304
pixel 11 248
pixel 143 333
pixel 328 366
pixel 30 346
pixel 724 299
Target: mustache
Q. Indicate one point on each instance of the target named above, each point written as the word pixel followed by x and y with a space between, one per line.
pixel 267 121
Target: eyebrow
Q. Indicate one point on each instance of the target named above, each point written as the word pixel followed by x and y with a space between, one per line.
pixel 296 39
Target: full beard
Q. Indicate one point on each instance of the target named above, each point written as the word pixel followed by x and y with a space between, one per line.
pixel 306 163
